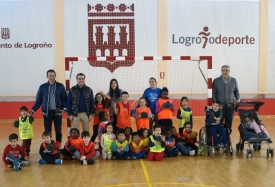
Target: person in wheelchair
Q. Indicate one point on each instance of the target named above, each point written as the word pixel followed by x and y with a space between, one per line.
pixel 215 125
pixel 250 123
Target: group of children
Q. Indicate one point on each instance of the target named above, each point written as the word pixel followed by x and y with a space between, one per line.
pixel 164 140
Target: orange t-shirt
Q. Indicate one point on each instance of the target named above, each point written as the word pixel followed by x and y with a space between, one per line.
pixel 142 122
pixel 99 108
pixel 165 113
pixel 192 139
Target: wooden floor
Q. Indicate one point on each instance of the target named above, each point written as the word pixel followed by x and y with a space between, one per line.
pixel 219 170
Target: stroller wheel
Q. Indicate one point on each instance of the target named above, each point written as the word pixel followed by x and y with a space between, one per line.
pixel 255 147
pixel 231 151
pixel 271 152
pixel 267 153
pixel 238 147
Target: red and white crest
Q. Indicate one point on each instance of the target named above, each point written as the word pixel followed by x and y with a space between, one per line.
pixel 111 32
pixel 5 33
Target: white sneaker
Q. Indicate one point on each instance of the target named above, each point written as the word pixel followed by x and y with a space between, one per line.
pixel 26 162
pixel 192 152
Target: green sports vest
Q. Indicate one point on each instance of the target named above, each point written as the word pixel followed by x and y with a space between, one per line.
pixel 108 143
pixel 187 117
pixel 156 148
pixel 25 129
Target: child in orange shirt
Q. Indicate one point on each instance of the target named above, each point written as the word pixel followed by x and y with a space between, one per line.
pixel 87 153
pixel 143 115
pixel 190 136
pixel 103 117
pixel 72 144
pixel 122 110
pixel 137 150
pixel 144 136
pixel 101 104
pixel 164 109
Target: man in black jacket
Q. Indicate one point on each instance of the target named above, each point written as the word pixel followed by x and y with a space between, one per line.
pixel 52 98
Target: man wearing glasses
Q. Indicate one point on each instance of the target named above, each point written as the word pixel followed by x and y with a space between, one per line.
pixel 80 103
pixel 224 90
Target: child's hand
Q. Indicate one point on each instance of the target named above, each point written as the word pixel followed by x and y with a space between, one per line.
pixel 163 138
pixel 71 118
pixel 183 116
pixel 157 142
pixel 137 151
pixel 122 148
pixel 26 158
pixel 139 115
pixel 82 157
pixel 218 122
pixel 150 116
pixel 46 151
pixel 114 105
pixel 118 150
pixel 9 166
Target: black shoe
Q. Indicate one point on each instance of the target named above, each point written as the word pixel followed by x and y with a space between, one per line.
pixel 269 140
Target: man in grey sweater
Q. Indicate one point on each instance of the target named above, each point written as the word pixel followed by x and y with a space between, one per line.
pixel 224 90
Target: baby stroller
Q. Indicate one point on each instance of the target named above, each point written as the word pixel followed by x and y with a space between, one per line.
pixel 207 140
pixel 248 136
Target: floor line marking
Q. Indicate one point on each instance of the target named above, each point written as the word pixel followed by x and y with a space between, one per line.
pixel 146 173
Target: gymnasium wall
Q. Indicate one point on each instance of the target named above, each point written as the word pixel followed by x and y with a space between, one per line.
pixel 37 35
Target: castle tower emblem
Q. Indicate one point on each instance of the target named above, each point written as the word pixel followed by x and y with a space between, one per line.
pixel 111 32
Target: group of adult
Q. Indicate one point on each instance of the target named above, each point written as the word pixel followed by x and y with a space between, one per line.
pixel 79 104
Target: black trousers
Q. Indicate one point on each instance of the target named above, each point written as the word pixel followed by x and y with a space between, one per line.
pixel 123 156
pixel 95 132
pixel 228 116
pixel 50 158
pixel 51 117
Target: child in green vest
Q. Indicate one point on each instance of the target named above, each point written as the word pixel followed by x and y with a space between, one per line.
pixel 156 144
pixel 107 140
pixel 184 113
pixel 24 123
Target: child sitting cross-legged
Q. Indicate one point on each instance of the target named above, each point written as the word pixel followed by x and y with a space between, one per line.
pixel 136 147
pixel 144 136
pixel 87 153
pixel 48 151
pixel 156 144
pixel 170 145
pixel 180 142
pixel 72 145
pixel 120 147
pixel 12 152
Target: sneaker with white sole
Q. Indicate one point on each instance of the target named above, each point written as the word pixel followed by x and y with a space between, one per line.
pixel 41 161
pixel 26 162
pixel 58 161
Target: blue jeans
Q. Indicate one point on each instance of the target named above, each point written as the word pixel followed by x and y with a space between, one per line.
pixel 184 150
pixel 51 117
pixel 214 130
pixel 171 153
pixel 139 155
pixel 10 158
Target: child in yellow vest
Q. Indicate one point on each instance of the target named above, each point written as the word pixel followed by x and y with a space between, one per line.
pixel 136 147
pixel 107 140
pixel 120 147
pixel 144 136
pixel 184 113
pixel 24 123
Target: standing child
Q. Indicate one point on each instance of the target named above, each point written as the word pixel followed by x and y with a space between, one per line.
pixel 128 133
pixel 190 137
pixel 120 147
pixel 157 144
pixel 107 140
pixel 48 151
pixel 122 110
pixel 164 110
pixel 86 153
pixel 144 136
pixel 184 113
pixel 180 142
pixel 24 123
pixel 170 145
pixel 136 147
pixel 11 156
pixel 103 117
pixel 72 145
pixel 101 104
pixel 143 115
pixel 215 116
